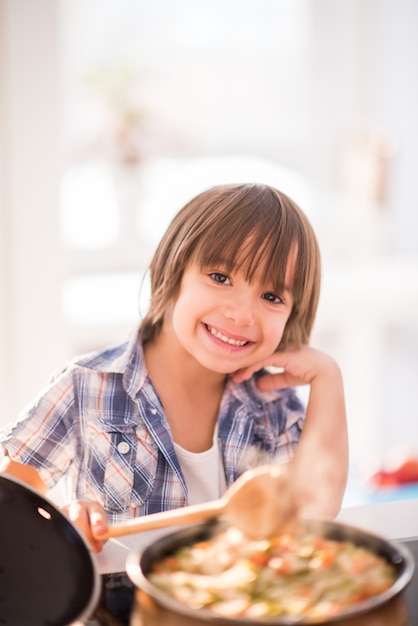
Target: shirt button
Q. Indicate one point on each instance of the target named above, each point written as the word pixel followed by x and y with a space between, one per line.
pixel 153 411
pixel 123 447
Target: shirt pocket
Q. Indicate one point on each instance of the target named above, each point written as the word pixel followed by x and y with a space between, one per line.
pixel 111 466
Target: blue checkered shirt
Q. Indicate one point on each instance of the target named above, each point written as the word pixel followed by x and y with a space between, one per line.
pixel 101 425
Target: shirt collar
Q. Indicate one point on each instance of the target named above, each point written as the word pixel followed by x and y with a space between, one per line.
pixel 134 370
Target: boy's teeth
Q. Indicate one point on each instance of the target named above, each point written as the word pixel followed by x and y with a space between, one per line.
pixel 232 342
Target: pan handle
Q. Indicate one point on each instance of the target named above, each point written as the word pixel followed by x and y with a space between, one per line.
pixel 165 519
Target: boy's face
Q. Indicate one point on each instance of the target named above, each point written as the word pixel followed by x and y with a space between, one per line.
pixel 227 323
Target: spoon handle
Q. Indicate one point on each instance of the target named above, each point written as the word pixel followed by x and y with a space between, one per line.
pixel 164 519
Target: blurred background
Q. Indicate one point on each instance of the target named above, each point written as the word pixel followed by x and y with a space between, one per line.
pixel 113 113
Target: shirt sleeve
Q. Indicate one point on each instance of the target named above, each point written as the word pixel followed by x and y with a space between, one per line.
pixel 293 418
pixel 44 435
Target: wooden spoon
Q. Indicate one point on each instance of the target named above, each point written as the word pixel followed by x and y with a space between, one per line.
pixel 261 503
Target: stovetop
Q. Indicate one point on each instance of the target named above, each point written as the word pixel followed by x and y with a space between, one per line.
pixel 411 592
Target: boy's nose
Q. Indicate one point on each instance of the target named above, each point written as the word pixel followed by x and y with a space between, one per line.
pixel 241 311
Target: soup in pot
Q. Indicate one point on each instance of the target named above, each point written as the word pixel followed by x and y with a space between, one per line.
pixel 304 576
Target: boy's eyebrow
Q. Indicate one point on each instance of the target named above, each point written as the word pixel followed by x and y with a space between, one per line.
pixel 218 261
pixel 283 288
pixel 286 288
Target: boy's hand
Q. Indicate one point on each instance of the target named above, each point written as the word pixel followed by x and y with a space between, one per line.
pixel 90 518
pixel 294 368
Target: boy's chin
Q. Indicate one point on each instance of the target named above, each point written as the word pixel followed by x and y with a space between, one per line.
pixel 222 370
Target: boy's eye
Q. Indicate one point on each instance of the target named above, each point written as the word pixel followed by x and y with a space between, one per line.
pixel 219 277
pixel 272 297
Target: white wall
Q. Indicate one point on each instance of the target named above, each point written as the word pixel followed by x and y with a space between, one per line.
pixel 5 288
pixel 31 264
pixel 365 60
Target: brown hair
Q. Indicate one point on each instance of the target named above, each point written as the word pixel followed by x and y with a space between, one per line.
pixel 251 227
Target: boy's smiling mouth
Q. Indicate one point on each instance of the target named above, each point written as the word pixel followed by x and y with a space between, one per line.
pixel 229 340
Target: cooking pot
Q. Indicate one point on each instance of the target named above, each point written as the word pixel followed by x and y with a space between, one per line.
pixel 154 607
pixel 47 573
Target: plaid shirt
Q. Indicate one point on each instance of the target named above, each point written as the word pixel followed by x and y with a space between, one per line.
pixel 101 424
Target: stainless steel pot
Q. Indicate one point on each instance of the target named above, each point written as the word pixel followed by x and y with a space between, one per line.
pixel 155 608
pixel 47 573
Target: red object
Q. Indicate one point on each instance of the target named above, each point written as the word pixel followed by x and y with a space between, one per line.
pixel 405 473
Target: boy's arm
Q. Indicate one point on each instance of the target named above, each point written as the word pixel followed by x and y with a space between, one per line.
pixel 320 463
pixel 25 473
pixel 319 467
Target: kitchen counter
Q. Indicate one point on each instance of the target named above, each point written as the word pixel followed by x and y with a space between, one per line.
pixel 394 520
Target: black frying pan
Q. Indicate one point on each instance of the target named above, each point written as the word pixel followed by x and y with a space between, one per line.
pixel 47 573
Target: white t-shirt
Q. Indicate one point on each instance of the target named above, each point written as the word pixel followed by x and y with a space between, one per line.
pixel 203 472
